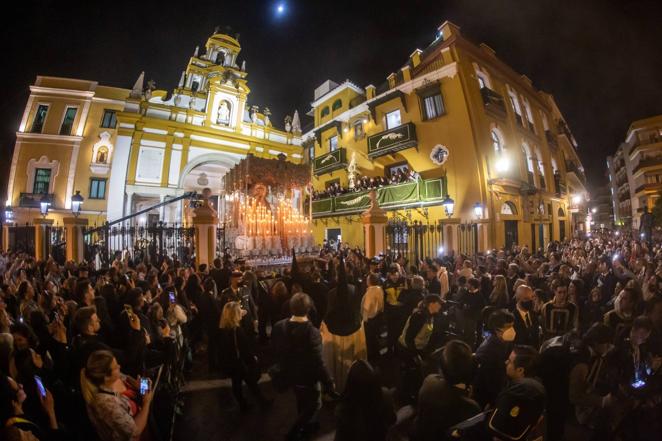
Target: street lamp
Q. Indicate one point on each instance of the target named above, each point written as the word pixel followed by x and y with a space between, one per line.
pixel 43 205
pixel 9 214
pixel 594 210
pixel 76 202
pixel 478 210
pixel 449 206
pixel 576 199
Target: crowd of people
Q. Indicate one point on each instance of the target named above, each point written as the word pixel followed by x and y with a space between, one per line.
pixel 508 345
pixel 366 183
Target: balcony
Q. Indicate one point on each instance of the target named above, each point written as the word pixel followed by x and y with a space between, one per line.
pixel 390 197
pixel 651 187
pixel 33 200
pixel 640 144
pixel 647 162
pixel 493 102
pixel 330 162
pixel 392 140
pixel 571 167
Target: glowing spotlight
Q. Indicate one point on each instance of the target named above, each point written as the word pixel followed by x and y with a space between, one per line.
pixel 280 8
pixel 440 250
pixel 576 199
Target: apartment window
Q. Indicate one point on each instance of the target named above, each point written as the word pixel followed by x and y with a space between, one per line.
pixel 97 188
pixel 393 119
pixel 397 168
pixel 42 180
pixel 68 121
pixel 39 118
pixel 337 104
pixel 324 112
pixel 109 120
pixel 496 141
pixel 433 106
pixel 333 143
pixel 195 85
pixel 359 131
pixel 311 153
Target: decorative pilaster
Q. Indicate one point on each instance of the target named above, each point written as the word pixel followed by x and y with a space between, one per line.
pixel 374 227
pixel 73 227
pixel 41 239
pixel 205 221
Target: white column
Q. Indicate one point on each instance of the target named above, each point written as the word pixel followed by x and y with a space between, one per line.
pixel 71 175
pixel 129 201
pixel 117 181
pixel 162 209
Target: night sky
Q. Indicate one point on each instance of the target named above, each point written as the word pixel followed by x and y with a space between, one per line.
pixel 601 59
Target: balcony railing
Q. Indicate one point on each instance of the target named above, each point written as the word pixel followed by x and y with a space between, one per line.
pixel 390 197
pixel 331 161
pixel 33 200
pixel 648 162
pixel 648 187
pixel 392 140
pixel 493 102
pixel 571 167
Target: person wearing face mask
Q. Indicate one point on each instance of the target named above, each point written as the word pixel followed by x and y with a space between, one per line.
pixel 492 355
pixel 526 324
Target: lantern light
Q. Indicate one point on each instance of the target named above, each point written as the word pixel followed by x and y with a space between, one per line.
pixel 449 206
pixel 478 210
pixel 76 202
pixel 43 206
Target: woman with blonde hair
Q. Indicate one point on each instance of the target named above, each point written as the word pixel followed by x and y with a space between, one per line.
pixel 236 356
pixel 499 296
pixel 110 401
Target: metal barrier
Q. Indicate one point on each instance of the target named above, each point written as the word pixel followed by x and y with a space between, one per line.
pixel 413 239
pixel 22 239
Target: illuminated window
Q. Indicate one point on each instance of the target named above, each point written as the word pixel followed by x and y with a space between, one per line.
pixel 39 118
pixel 433 106
pixel 496 141
pixel 393 119
pixel 42 180
pixel 68 121
pixel 333 143
pixel 97 188
pixel 109 120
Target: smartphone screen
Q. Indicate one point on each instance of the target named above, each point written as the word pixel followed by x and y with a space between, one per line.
pixel 40 386
pixel 638 384
pixel 171 294
pixel 144 386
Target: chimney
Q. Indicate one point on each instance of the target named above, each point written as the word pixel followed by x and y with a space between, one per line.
pixel 369 91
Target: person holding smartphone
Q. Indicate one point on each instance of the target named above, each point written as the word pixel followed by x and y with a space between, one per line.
pixel 14 424
pixel 117 412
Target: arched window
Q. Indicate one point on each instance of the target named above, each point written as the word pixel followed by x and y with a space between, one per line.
pixel 530 161
pixel 497 142
pixel 337 104
pixel 324 112
pixel 509 209
pixel 561 213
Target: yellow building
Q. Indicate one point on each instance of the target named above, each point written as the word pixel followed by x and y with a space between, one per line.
pixel 126 150
pixel 472 128
pixel 635 171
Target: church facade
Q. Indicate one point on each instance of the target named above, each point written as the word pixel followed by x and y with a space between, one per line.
pixel 126 150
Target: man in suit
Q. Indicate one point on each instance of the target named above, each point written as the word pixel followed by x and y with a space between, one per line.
pixel 526 324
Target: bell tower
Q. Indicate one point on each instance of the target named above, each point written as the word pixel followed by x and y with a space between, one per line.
pixel 215 83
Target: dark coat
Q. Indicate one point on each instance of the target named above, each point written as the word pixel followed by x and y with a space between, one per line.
pixel 491 374
pixel 298 348
pixel 527 336
pixel 343 316
pixel 235 351
pixel 363 424
pixel 441 406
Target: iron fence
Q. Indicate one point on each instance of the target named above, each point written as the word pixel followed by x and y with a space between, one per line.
pixel 413 239
pixel 22 239
pixel 141 242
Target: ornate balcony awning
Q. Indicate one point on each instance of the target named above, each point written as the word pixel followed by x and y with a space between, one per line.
pixel 392 140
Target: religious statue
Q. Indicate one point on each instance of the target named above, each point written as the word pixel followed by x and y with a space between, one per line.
pixel 267 113
pixel 254 114
pixel 260 193
pixel 243 66
pixel 102 156
pixel 352 171
pixel 223 113
pixel 296 122
pixel 288 123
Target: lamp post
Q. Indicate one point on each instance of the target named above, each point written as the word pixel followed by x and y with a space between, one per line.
pixel 478 210
pixel 449 206
pixel 9 214
pixel 43 206
pixel 76 202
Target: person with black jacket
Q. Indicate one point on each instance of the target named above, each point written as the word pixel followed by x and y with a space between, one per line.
pixel 527 327
pixel 365 410
pixel 443 400
pixel 298 347
pixel 492 355
pixel 343 337
pixel 237 356
pixel 238 292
